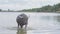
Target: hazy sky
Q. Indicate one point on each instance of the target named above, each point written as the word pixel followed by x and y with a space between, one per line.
pixel 25 4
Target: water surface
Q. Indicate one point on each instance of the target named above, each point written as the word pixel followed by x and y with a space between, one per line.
pixel 38 23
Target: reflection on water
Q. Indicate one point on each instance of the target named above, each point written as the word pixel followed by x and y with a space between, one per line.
pixel 21 31
pixel 57 18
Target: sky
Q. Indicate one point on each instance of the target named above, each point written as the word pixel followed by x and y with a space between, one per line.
pixel 25 4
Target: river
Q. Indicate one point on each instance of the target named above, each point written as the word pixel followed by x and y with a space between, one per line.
pixel 38 23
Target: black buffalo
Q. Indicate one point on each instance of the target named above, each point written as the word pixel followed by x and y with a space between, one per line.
pixel 22 20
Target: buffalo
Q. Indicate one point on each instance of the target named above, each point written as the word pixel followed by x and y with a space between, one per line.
pixel 22 20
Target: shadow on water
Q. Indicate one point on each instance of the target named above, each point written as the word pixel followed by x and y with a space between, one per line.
pixel 21 31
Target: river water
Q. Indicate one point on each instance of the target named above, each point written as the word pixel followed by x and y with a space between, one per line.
pixel 38 23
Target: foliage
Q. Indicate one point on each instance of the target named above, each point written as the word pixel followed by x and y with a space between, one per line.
pixel 48 8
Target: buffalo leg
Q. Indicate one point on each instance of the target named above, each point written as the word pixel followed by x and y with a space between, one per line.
pixel 18 25
pixel 25 26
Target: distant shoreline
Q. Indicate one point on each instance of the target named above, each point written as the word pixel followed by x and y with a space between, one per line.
pixel 32 12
